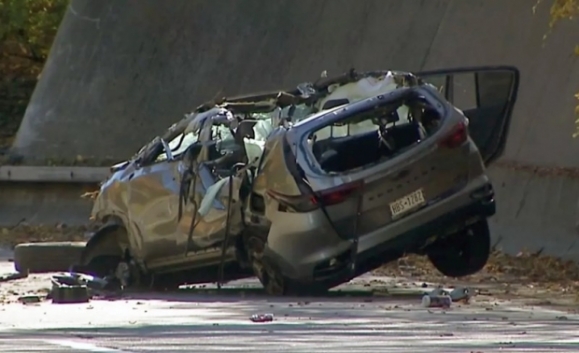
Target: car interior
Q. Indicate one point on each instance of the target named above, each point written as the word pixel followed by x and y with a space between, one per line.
pixel 373 136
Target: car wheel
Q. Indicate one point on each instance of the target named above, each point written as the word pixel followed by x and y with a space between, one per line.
pixel 102 266
pixel 464 253
pixel 165 283
pixel 111 266
pixel 273 282
pixel 276 284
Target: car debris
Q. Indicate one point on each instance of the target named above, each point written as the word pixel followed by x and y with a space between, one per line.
pixel 309 187
pixel 461 294
pixel 261 318
pixel 30 299
pixel 440 297
pixel 436 301
pixel 69 294
pixel 80 279
pixel 74 287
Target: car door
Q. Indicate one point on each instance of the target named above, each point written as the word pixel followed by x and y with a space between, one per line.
pixel 152 204
pixel 207 207
pixel 170 228
pixel 487 96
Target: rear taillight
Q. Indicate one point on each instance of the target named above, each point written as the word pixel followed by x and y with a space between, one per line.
pixel 336 195
pixel 300 203
pixel 456 137
pixel 307 203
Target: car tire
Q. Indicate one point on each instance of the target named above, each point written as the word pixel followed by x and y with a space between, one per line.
pixel 273 282
pixel 47 257
pixel 464 253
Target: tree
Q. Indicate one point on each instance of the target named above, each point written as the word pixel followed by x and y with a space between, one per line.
pixel 566 10
pixel 27 29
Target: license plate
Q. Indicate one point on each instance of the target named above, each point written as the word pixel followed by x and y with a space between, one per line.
pixel 407 203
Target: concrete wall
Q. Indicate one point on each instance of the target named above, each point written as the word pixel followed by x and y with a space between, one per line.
pixel 121 71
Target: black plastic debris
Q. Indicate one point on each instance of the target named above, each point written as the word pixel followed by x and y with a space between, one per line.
pixel 62 294
pixel 69 288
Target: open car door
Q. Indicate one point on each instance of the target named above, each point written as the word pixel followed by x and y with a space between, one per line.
pixel 487 96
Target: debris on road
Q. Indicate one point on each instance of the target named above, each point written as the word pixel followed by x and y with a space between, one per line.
pixel 261 318
pixel 30 299
pixel 67 289
pixel 461 294
pixel 436 301
pixel 80 279
pixel 13 276
pixel 441 298
pixel 77 288
pixel 63 294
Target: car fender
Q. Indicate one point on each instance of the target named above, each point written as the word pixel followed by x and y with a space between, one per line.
pixel 110 239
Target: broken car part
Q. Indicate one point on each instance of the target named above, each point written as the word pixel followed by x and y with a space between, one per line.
pixel 261 318
pixel 64 294
pixel 436 301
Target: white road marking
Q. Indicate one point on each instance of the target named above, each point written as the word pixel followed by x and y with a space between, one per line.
pixel 81 346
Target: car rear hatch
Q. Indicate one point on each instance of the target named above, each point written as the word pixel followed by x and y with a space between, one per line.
pixel 379 160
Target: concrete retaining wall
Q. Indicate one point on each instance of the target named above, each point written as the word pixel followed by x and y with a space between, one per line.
pixel 122 71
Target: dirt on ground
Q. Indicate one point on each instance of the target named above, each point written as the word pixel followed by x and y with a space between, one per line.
pixel 532 278
pixel 23 233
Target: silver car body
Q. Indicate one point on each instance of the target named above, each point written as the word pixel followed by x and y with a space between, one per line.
pixel 190 211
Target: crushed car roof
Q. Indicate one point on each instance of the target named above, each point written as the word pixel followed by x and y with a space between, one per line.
pixel 308 93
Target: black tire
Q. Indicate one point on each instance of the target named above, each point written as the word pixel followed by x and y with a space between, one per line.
pixel 464 253
pixel 102 254
pixel 47 257
pixel 275 284
pixel 101 266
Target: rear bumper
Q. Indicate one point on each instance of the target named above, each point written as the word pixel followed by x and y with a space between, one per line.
pixel 416 238
pixel 327 259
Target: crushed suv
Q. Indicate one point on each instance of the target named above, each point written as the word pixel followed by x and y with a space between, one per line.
pixel 310 187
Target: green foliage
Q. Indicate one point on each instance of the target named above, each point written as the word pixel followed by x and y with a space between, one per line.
pixel 27 29
pixel 565 10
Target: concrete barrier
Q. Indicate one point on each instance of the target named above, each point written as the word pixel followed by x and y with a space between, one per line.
pixel 44 203
pixel 120 72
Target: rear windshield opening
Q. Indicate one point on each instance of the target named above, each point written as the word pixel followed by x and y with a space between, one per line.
pixel 375 135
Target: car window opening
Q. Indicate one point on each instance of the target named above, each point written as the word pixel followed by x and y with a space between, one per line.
pixel 374 136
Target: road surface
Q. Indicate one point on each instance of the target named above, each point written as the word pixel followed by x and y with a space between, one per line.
pixel 195 323
pixel 349 320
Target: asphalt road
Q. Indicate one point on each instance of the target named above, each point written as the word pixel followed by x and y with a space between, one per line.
pixel 205 324
pixel 350 320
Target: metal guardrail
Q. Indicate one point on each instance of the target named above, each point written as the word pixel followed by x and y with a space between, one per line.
pixel 41 174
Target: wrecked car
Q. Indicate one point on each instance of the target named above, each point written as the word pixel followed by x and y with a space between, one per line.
pixel 310 187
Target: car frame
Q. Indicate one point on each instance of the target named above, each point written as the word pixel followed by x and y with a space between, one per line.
pixel 162 229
